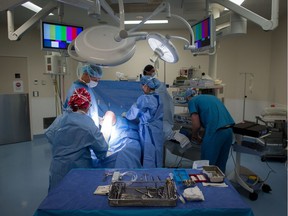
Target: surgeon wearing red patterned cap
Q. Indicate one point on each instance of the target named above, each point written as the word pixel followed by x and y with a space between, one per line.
pixel 71 136
pixel 80 101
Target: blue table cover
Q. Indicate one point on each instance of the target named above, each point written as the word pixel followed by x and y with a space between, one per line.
pixel 74 196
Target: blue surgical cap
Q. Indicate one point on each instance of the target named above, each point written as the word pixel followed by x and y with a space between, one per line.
pixel 151 82
pixel 190 92
pixel 92 70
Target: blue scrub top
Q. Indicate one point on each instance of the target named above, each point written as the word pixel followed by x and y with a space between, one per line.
pixel 212 113
pixel 71 136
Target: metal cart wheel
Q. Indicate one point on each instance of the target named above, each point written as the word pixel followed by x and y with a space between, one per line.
pixel 253 196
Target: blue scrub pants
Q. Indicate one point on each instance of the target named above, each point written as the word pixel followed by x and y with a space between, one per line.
pixel 216 147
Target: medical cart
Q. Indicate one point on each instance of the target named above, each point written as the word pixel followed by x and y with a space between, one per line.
pixel 244 177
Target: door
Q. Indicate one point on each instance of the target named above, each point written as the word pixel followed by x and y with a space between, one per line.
pixel 14 100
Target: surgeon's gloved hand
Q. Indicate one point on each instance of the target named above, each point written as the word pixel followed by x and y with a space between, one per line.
pixel 123 114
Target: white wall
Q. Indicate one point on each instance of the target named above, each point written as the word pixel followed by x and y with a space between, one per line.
pixel 278 69
pixel 262 53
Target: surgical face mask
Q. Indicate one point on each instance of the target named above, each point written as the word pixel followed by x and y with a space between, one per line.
pixel 92 84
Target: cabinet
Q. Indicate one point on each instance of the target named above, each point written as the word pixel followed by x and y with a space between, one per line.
pixel 15 118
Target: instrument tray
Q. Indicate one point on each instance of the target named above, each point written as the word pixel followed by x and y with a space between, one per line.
pixel 214 173
pixel 146 193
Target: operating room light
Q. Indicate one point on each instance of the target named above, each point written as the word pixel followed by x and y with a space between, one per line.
pixel 129 22
pixel 97 44
pixel 163 48
pixel 122 42
pixel 29 5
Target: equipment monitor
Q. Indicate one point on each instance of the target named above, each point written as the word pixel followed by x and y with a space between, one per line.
pixel 56 37
pixel 204 34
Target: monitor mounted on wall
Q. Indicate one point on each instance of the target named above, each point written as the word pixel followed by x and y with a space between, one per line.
pixel 204 34
pixel 57 37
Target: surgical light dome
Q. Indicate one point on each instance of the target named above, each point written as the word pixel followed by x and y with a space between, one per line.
pixel 163 48
pixel 97 45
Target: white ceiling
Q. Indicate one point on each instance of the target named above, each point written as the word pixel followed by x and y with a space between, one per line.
pixel 191 10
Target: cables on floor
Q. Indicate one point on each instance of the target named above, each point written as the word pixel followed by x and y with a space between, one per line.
pixel 257 179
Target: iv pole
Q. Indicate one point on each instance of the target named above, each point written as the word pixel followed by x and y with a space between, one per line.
pixel 245 96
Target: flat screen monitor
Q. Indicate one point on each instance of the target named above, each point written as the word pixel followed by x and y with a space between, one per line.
pixel 56 37
pixel 204 34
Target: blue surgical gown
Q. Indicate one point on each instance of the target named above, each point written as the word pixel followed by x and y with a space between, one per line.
pixel 149 110
pixel 72 135
pixel 93 110
pixel 217 122
pixel 168 111
pixel 124 147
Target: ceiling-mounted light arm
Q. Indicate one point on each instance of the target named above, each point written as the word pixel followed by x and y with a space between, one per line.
pixel 155 60
pixel 109 10
pixel 162 7
pixel 123 34
pixel 186 23
pixel 88 4
pixel 187 46
pixel 95 10
pixel 15 35
pixel 121 13
pixel 60 12
pixel 264 23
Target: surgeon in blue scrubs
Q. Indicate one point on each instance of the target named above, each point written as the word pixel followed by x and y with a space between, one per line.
pixel 209 112
pixel 72 135
pixel 168 105
pixel 148 109
pixel 88 77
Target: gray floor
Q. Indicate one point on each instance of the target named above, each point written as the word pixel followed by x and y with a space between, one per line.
pixel 24 171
